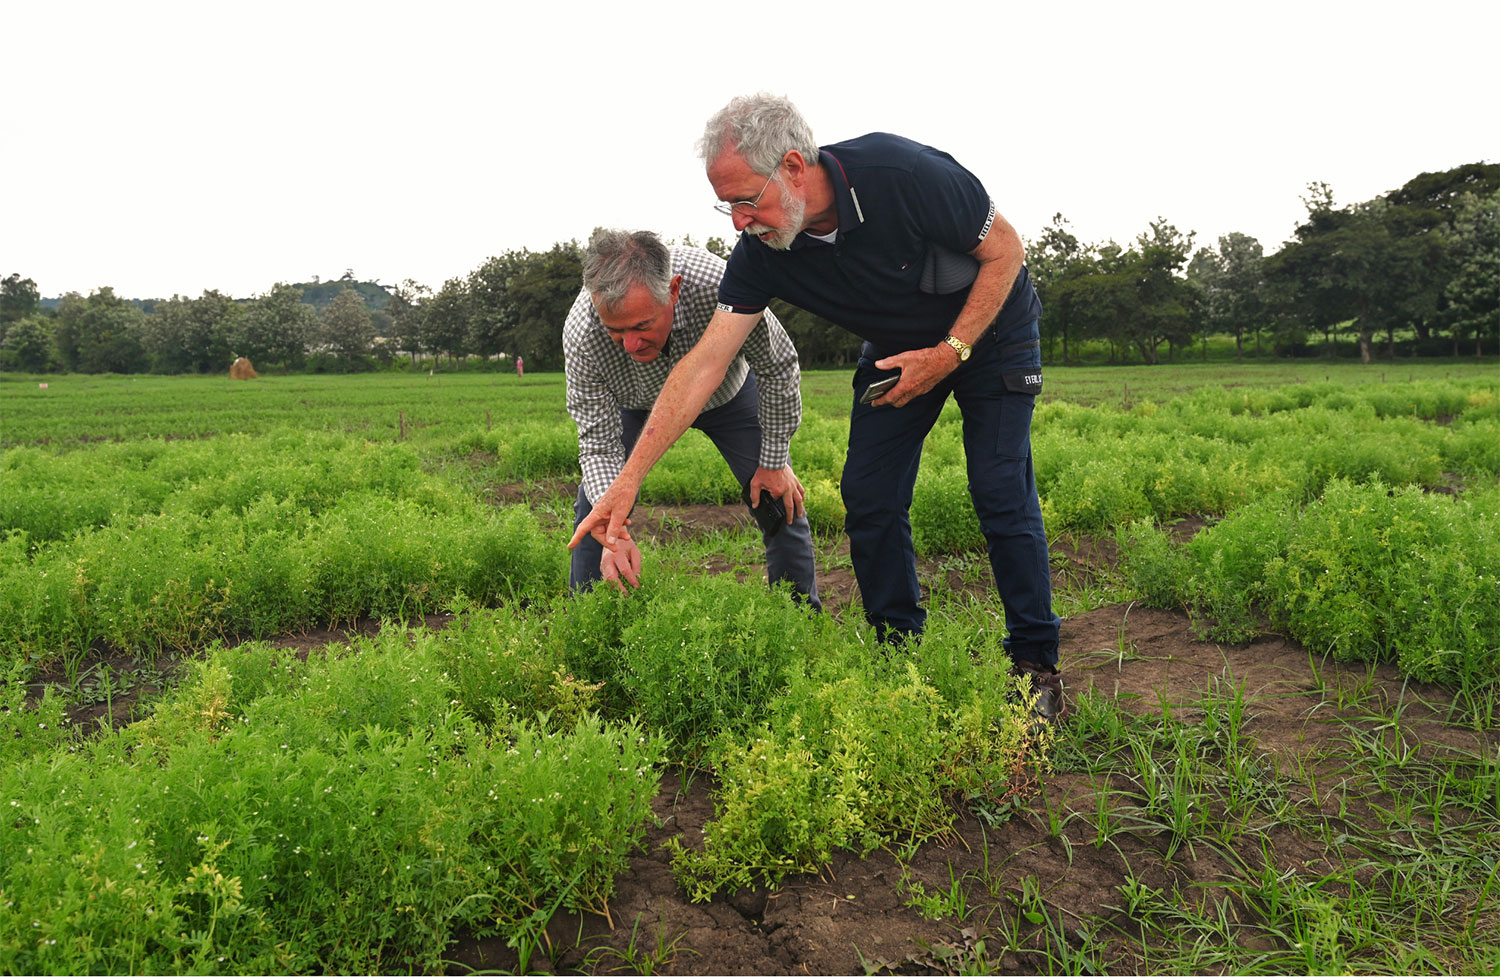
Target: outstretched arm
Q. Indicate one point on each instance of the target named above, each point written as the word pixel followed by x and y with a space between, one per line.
pixel 692 381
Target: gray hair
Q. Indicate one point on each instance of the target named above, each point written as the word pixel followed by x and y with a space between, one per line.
pixel 762 128
pixel 615 260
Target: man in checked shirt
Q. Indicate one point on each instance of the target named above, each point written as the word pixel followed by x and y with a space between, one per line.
pixel 642 306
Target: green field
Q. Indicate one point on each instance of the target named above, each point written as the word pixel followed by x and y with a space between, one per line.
pixel 363 807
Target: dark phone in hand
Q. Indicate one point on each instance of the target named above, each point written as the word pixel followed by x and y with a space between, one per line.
pixel 771 513
pixel 877 388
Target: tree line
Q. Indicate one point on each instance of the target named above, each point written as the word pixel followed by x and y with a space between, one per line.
pixel 1417 268
pixel 1421 262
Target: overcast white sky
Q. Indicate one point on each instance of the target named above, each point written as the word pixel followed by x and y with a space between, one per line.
pixel 168 148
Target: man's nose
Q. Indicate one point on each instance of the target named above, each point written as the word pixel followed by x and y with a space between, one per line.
pixel 633 342
pixel 741 221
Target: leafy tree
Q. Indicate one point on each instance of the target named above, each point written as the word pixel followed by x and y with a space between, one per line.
pixel 1436 200
pixel 445 321
pixel 381 322
pixel 1430 206
pixel 491 313
pixel 276 328
pixel 28 344
pixel 1357 264
pixel 1136 297
pixel 718 246
pixel 1167 300
pixel 542 291
pixel 18 299
pixel 1089 302
pixel 347 329
pixel 193 335
pixel 406 309
pixel 1231 280
pixel 99 334
pixel 1054 256
pixel 1473 293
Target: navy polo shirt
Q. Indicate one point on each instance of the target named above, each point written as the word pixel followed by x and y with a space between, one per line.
pixel 899 270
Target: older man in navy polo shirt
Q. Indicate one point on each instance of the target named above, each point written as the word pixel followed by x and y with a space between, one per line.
pixel 899 244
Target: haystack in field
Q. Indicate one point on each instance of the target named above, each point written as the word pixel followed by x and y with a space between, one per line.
pixel 241 369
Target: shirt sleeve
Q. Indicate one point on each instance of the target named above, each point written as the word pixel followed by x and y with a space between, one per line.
pixel 591 404
pixel 771 356
pixel 953 208
pixel 739 290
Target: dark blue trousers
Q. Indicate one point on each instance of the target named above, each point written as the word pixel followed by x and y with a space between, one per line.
pixel 734 429
pixel 995 391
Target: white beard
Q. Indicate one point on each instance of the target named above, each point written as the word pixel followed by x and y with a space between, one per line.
pixel 794 210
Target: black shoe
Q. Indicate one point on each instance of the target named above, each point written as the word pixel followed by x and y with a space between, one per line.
pixel 1051 704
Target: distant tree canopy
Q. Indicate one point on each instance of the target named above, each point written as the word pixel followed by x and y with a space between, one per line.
pixel 18 299
pixel 320 294
pixel 1421 261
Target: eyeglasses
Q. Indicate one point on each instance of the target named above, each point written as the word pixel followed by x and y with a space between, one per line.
pixel 745 207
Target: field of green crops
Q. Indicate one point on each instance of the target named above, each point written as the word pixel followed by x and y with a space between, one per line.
pixel 358 808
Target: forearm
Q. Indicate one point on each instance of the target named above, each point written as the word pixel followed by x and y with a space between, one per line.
pixel 1000 255
pixel 688 387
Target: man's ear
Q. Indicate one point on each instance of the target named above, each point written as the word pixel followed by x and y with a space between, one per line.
pixel 676 287
pixel 796 167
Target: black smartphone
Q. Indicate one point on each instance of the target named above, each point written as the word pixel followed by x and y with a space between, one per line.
pixel 770 513
pixel 877 388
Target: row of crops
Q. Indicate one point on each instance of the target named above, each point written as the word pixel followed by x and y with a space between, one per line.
pixel 353 810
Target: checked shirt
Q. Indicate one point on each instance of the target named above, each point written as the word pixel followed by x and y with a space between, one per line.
pixel 603 379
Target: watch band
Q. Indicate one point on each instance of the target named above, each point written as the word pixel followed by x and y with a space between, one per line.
pixel 960 347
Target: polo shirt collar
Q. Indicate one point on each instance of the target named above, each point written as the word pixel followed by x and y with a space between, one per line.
pixel 851 215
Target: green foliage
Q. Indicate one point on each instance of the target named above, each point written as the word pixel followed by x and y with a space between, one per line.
pixel 284 816
pixel 192 335
pixel 99 334
pixel 27 344
pixel 27 729
pixel 825 505
pixel 849 763
pixel 1372 574
pixel 692 471
pixel 320 295
pixel 19 299
pixel 347 330
pixel 706 656
pixel 291 532
pixel 1152 565
pixel 351 811
pixel 541 291
pixel 276 328
pixel 1363 572
pixel 942 513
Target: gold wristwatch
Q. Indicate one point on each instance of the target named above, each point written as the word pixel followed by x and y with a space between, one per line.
pixel 960 347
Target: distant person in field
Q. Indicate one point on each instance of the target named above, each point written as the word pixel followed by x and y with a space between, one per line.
pixel 520 367
pixel 902 246
pixel 642 308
